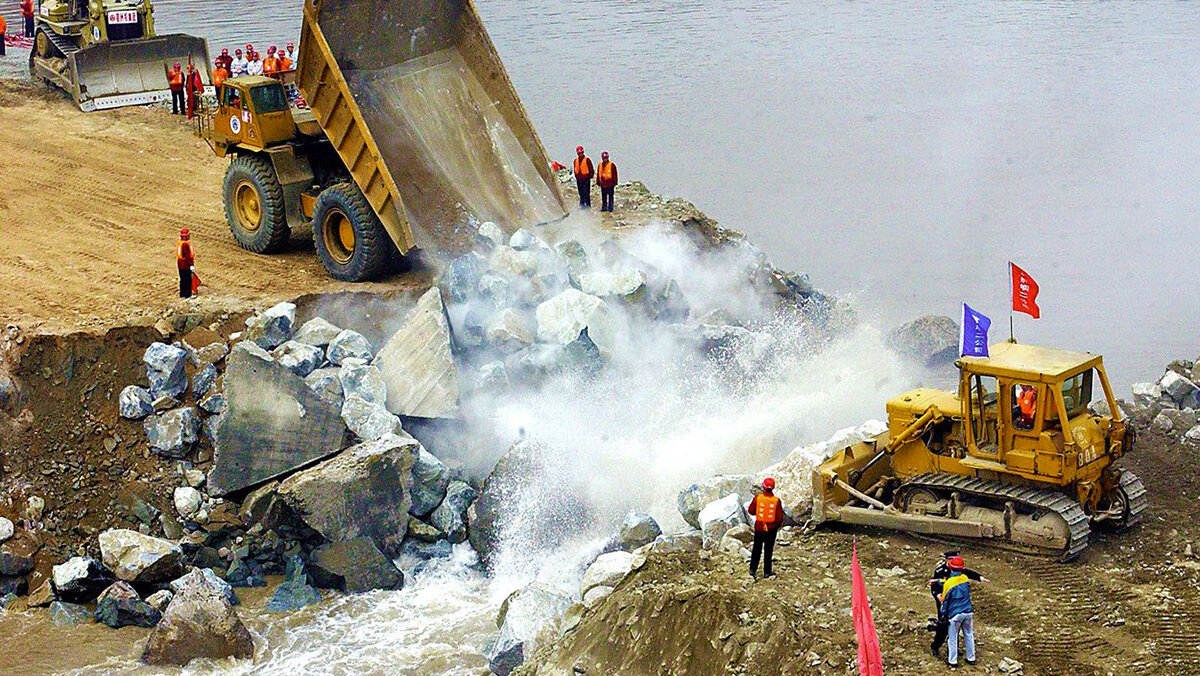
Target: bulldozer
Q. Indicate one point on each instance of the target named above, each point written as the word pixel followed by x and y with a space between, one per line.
pixel 1016 458
pixel 105 54
pixel 398 128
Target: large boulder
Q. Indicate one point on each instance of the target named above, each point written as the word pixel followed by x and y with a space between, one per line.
pixel 272 328
pixel 327 383
pixel 931 340
pixel 527 618
pixel 205 576
pixel 418 365
pixel 491 234
pixel 295 592
pixel 17 554
pixel 719 516
pixel 140 559
pixel 204 380
pixel 369 420
pixel 637 529
pixel 1182 391
pixel 606 571
pixel 622 283
pixel 80 579
pixel 63 614
pixel 348 345
pixel 507 332
pixel 693 498
pixel 135 403
pixel 430 477
pixel 172 434
pixel 362 380
pixel 199 623
pixel 691 541
pixel 508 261
pixel 562 319
pixel 165 366
pixel 299 358
pixel 354 566
pixel 120 606
pixel 273 424
pixel 365 491
pixel 462 275
pixel 316 332
pixel 450 517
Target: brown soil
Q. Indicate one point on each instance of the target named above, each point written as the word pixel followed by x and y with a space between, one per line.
pixel 1119 609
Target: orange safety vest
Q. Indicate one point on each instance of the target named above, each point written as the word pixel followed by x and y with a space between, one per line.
pixel 3 25
pixel 270 65
pixel 766 509
pixel 1028 402
pixel 219 76
pixel 285 64
pixel 27 8
pixel 183 255
pixel 583 167
pixel 176 79
pixel 607 175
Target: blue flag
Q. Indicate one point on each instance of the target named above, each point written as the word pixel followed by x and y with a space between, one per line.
pixel 974 333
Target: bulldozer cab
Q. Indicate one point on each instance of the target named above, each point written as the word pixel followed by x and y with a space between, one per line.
pixel 253 113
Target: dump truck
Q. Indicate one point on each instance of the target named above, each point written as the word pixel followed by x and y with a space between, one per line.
pixel 404 130
pixel 1016 457
pixel 105 53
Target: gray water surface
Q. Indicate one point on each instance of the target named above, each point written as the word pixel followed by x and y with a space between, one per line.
pixel 899 153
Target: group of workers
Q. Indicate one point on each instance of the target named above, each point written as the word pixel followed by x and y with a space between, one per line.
pixel 605 176
pixel 251 62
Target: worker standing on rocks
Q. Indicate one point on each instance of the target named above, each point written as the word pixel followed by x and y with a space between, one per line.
pixel 768 517
pixel 185 260
pixel 956 605
pixel 240 64
pixel 941 573
pixel 606 178
pixel 27 16
pixel 584 171
pixel 175 79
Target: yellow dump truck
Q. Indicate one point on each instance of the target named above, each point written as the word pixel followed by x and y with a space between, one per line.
pixel 105 53
pixel 402 130
pixel 1015 458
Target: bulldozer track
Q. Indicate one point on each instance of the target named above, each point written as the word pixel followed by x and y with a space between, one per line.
pixel 1136 495
pixel 1067 509
pixel 1176 637
pixel 62 43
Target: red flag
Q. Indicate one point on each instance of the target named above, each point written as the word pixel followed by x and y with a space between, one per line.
pixel 870 661
pixel 1024 292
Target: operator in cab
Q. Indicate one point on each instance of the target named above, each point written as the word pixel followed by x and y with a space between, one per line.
pixel 1026 406
pixel 768 518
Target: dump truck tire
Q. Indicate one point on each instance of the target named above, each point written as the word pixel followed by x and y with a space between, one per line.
pixel 254 205
pixel 350 240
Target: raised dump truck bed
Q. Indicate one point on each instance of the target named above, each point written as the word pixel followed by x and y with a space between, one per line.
pixel 416 102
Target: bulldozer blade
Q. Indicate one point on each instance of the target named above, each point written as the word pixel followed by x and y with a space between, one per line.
pixel 131 73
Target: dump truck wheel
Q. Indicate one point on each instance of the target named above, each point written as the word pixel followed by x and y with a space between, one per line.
pixel 350 241
pixel 254 205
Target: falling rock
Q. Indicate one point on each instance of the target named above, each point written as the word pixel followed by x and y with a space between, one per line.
pixel 120 606
pixel 931 340
pixel 524 240
pixel 172 434
pixel 719 516
pixel 299 358
pixel 606 571
pixel 199 623
pixel 450 517
pixel 80 579
pixel 364 491
pixel 272 328
pixel 348 345
pixel 621 283
pixel 636 530
pixel 316 332
pixel 203 381
pixel 693 498
pixel 562 319
pixel 354 566
pixel 491 234
pixel 362 380
pixel 1162 423
pixel 417 363
pixel 205 576
pixel 140 559
pixel 165 367
pixel 135 403
pixel 462 276
pixel 273 424
pixel 507 332
pixel 64 614
pixel 527 619
pixel 492 377
pixel 188 501
pixel 595 595
pixel 327 384
pixel 368 420
pixel 295 592
pixel 430 477
pixel 508 261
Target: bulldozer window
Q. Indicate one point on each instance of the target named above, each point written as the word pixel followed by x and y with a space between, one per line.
pixel 1077 393
pixel 984 394
pixel 1024 406
pixel 233 97
pixel 269 99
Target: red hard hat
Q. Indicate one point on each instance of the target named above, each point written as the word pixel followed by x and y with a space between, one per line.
pixel 184 232
pixel 291 44
pixel 955 563
pixel 769 484
pixel 578 149
pixel 272 48
pixel 603 154
pixel 224 50
pixel 249 47
pixel 177 66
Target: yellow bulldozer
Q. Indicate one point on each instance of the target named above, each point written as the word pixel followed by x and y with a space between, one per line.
pixel 105 53
pixel 1015 458
pixel 402 128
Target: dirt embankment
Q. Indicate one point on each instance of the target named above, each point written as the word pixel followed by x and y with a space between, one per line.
pixel 1122 608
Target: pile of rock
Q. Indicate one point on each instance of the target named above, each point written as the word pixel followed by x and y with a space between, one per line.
pixel 1172 404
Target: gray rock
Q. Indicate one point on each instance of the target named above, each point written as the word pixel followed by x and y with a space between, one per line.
pixel 64 614
pixel 1162 423
pixel 272 328
pixel 120 606
pixel 508 261
pixel 274 424
pixel 1147 397
pixel 492 377
pixel 213 404
pixel 199 623
pixel 491 234
pixel 298 357
pixel 931 340
pixel 595 595
pixel 135 403
pixel 495 290
pixel 450 517
pixel 418 365
pixel 562 319
pixel 430 478
pixel 204 347
pixel 528 618
pixel 203 381
pixel 362 380
pixel 245 573
pixel 623 283
pixel 80 579
pixel 1182 391
pixel 316 332
pixel 188 501
pixel 637 529
pixel 295 592
pixel 606 571
pixel 193 477
pixel 326 383
pixel 679 542
pixel 1192 436
pixel 507 332
pixel 349 345
pixel 172 434
pixel 524 240
pixel 140 559
pixel 354 566
pixel 252 348
pixel 205 576
pixel 363 491
pixel 165 367
pixel 719 516
pixel 160 599
pixel 693 498
pixel 462 276
pixel 6 530
pixel 1181 419
pixel 369 421
pixel 423 532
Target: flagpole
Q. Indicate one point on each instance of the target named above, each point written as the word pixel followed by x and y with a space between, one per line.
pixel 1012 338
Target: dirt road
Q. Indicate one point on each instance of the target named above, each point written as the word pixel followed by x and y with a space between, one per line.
pixel 90 211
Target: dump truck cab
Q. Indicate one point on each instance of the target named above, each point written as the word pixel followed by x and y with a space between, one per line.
pixel 252 112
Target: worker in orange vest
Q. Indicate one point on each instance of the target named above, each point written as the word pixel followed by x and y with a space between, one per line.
pixel 225 60
pixel 27 15
pixel 185 260
pixel 606 178
pixel 584 171
pixel 289 59
pixel 768 518
pixel 271 65
pixel 195 90
pixel 175 79
pixel 220 74
pixel 3 30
